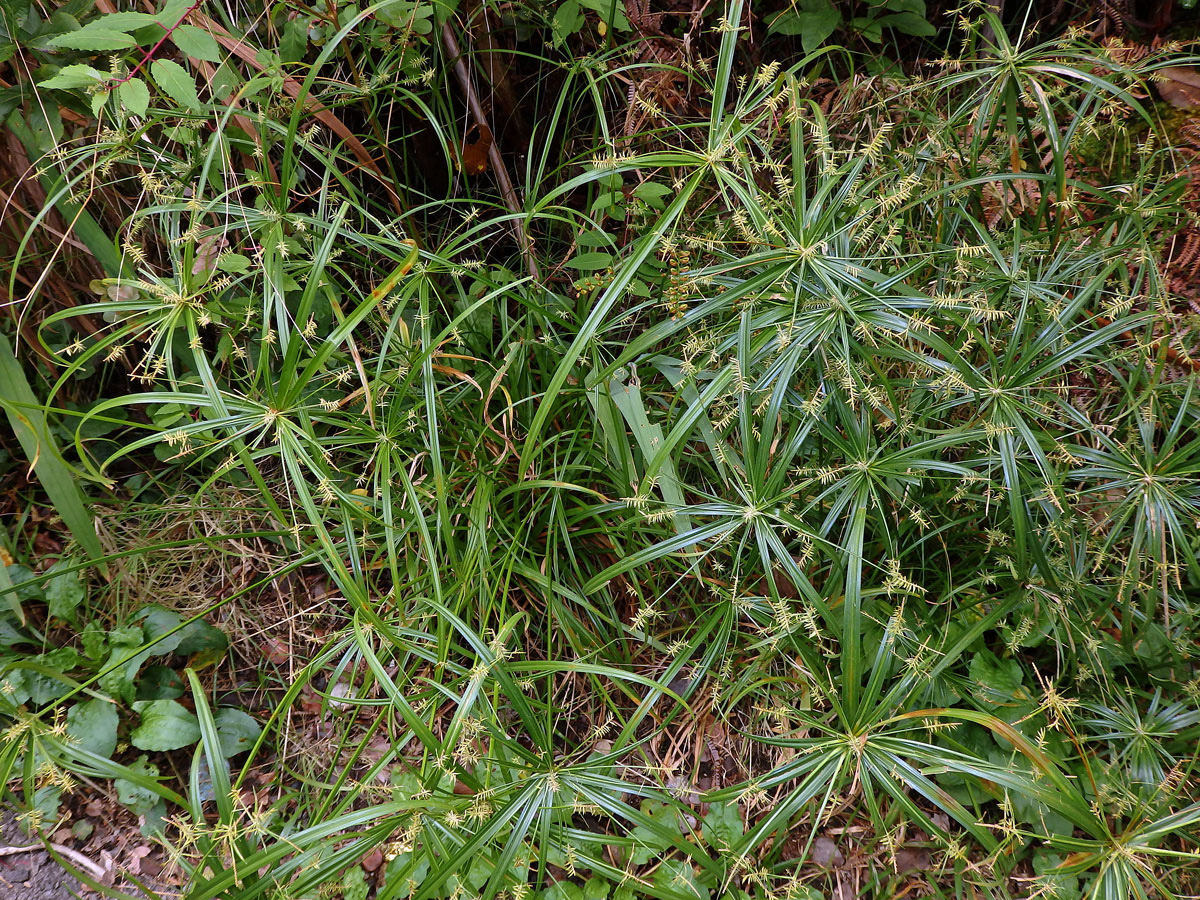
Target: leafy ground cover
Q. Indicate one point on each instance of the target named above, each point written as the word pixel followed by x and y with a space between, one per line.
pixel 587 450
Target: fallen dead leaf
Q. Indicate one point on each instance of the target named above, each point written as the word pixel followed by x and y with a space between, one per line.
pixel 473 157
pixel 1180 86
pixel 912 859
pixel 825 853
pixel 276 651
pixel 136 855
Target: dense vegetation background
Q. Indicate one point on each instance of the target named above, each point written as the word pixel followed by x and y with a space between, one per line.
pixel 597 449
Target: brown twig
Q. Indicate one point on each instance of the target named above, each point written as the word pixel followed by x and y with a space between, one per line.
pixel 116 82
pixel 74 856
pixel 507 191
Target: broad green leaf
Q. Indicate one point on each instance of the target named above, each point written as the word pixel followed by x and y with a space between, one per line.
pixel 563 890
pixel 74 76
pixel 64 592
pixel 650 843
pixel 159 625
pixel 159 683
pixel 722 826
pixel 62 659
pixel 607 200
pixel 94 640
pixel 46 801
pixel 233 263
pixel 813 20
pixel 1057 882
pixel 589 262
pixel 134 96
pixel 122 21
pixel 612 13
pixel 293 43
pixel 177 83
pixel 568 19
pixel 197 43
pixel 121 667
pixel 166 725
pixel 652 194
pixel 24 582
pixel 354 884
pixel 172 13
pixel 10 634
pixel 140 800
pixel 999 680
pixel 238 731
pixel 678 876
pixel 201 638
pixel 93 39
pixel 92 726
pixel 908 23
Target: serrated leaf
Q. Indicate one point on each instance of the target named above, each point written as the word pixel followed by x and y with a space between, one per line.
pixel 172 12
pixel 234 263
pixel 294 42
pixel 197 43
pixel 134 96
pixel 166 725
pixel 238 731
pixel 176 82
pixel 92 726
pixel 94 39
pixel 122 21
pixel 71 77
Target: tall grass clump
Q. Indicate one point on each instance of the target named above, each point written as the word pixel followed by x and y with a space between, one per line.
pixel 772 473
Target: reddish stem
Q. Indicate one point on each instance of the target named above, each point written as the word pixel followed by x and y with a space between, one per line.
pixel 117 82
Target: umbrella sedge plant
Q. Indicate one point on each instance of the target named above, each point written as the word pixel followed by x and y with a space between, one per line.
pixel 828 485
